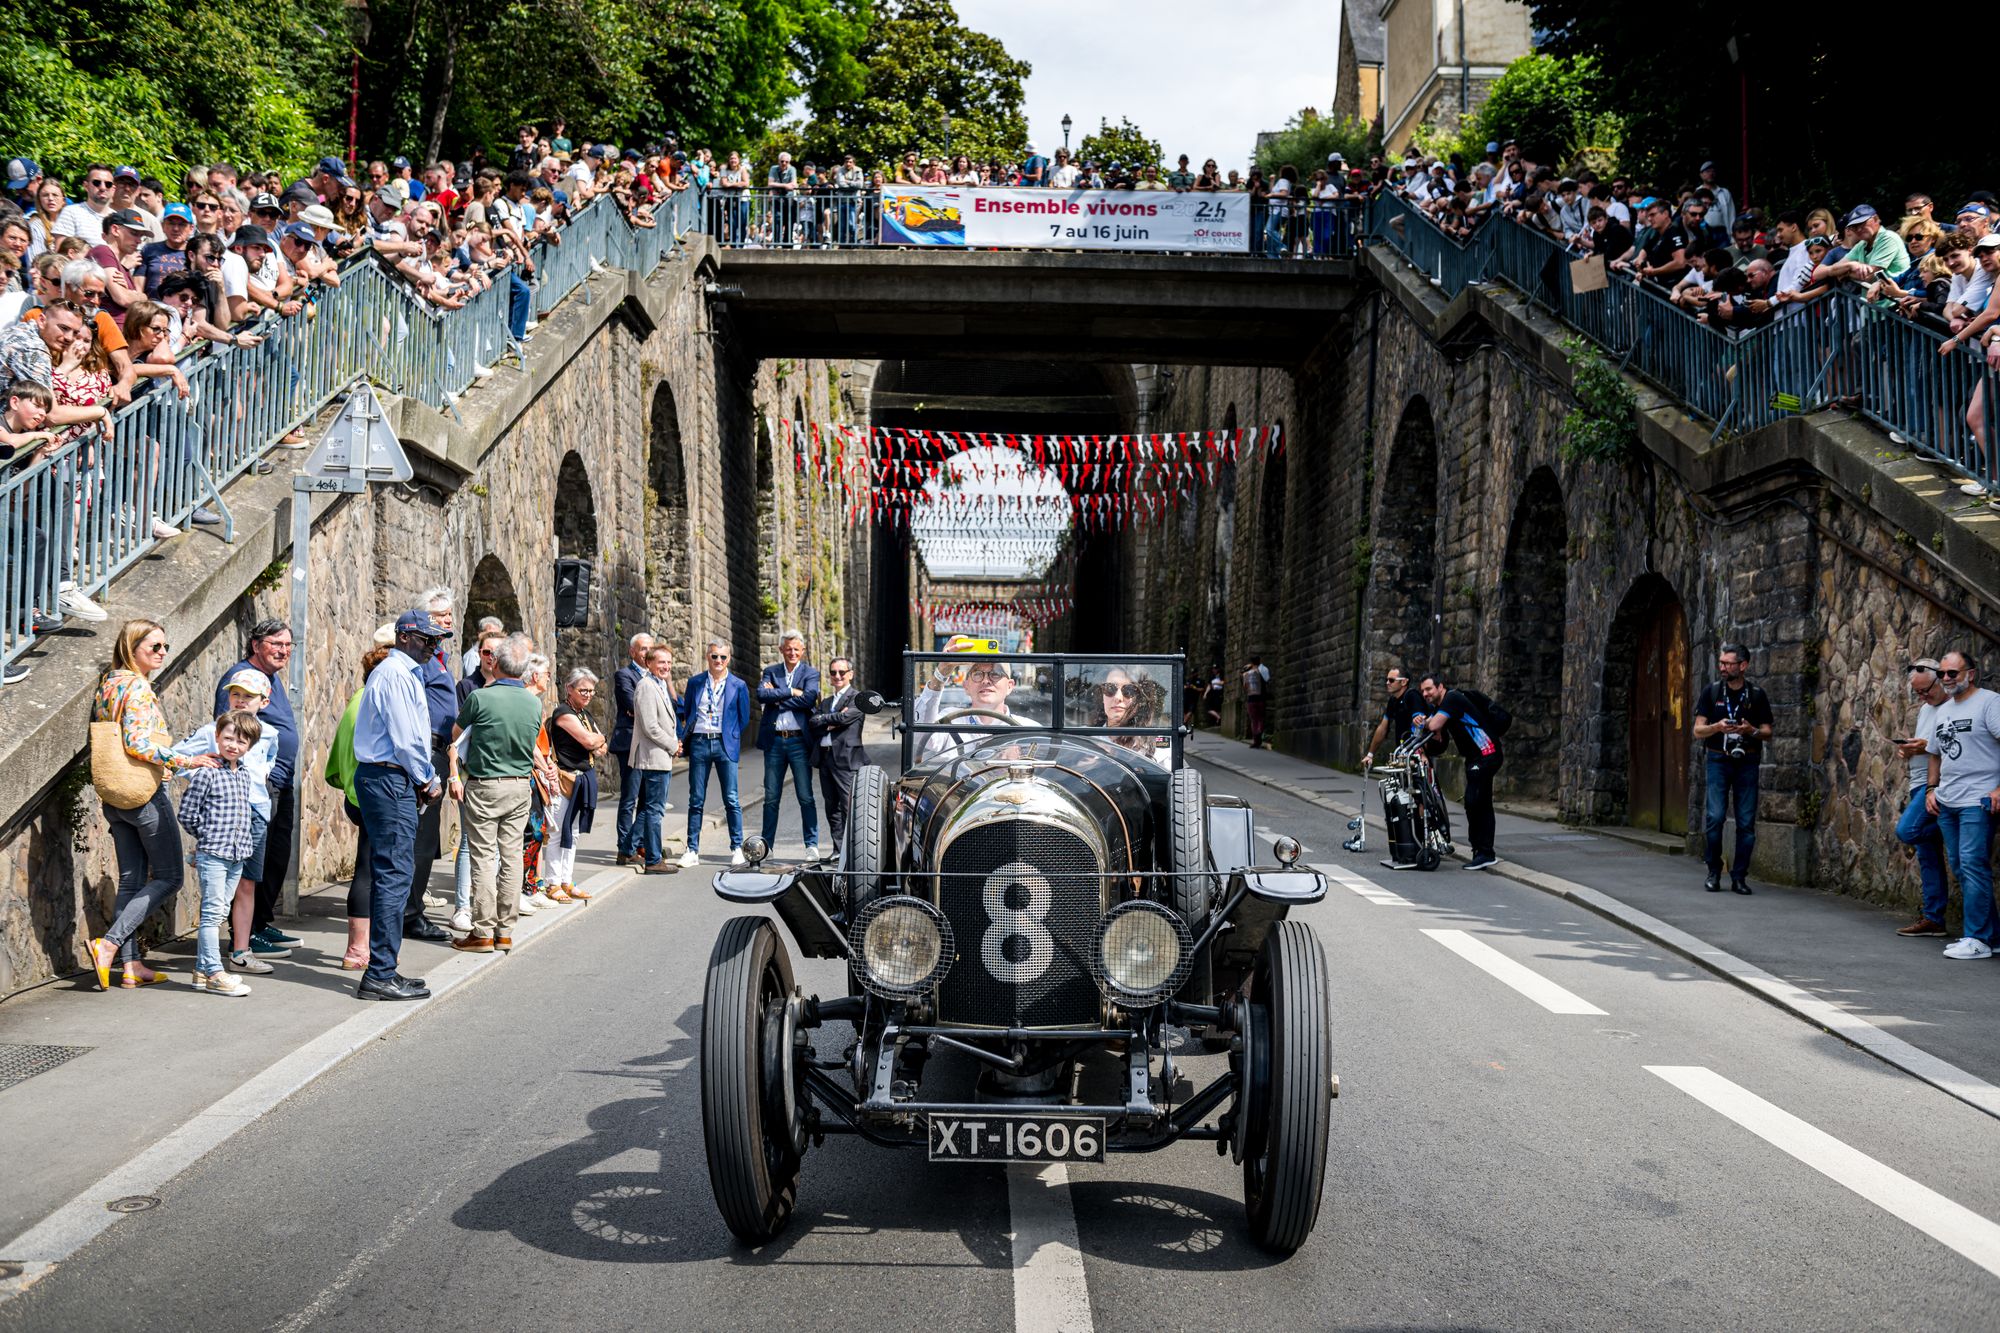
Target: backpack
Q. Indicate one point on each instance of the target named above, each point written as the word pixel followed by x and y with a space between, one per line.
pixel 1490 715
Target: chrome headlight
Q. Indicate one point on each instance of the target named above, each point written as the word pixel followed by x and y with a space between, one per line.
pixel 1144 952
pixel 902 947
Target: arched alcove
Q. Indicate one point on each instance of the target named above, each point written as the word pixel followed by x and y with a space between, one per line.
pixel 669 543
pixel 492 594
pixel 1533 615
pixel 1403 568
pixel 576 539
pixel 1641 775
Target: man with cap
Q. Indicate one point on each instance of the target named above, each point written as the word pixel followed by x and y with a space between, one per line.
pixel 250 250
pixel 1873 251
pixel 85 217
pixel 125 190
pixel 1918 828
pixel 299 248
pixel 1035 170
pixel 163 257
pixel 1723 215
pixel 21 176
pixel 394 778
pixel 124 232
pixel 387 232
pixel 401 170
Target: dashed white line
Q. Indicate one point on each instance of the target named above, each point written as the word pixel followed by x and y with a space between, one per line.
pixel 1526 980
pixel 1365 887
pixel 1950 1224
pixel 1050 1295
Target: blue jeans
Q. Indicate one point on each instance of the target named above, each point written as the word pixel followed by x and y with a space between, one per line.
pixel 705 753
pixel 1968 842
pixel 628 808
pixel 788 750
pixel 649 786
pixel 217 878
pixel 1918 828
pixel 1725 776
pixel 519 298
pixel 388 801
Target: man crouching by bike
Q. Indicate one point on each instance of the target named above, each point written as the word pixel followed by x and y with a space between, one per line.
pixel 1475 724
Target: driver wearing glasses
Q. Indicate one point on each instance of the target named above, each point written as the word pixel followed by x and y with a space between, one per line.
pixel 986 684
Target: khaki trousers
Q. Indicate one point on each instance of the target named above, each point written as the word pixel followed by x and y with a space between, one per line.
pixel 496 817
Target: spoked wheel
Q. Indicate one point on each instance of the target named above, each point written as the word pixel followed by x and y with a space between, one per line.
pixel 1288 1086
pixel 752 1108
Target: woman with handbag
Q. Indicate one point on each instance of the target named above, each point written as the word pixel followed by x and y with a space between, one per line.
pixel 131 754
pixel 543 799
pixel 575 742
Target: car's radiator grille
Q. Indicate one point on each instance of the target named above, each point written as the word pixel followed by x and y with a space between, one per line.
pixel 1024 910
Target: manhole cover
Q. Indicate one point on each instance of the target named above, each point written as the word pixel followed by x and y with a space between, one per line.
pixel 134 1203
pixel 19 1063
pixel 1568 837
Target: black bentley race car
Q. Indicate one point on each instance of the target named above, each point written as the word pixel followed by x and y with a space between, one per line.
pixel 1047 897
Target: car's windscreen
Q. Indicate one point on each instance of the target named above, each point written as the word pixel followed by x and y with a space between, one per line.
pixel 1129 702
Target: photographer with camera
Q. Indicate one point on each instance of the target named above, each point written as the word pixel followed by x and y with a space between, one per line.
pixel 1732 721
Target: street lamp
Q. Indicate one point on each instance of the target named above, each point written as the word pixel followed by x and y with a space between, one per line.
pixel 359 24
pixel 1066 124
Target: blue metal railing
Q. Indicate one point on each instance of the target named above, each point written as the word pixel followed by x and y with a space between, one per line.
pixel 1836 349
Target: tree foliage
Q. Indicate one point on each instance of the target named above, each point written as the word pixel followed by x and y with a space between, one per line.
pixel 136 81
pixel 1123 143
pixel 1309 138
pixel 916 62
pixel 1550 104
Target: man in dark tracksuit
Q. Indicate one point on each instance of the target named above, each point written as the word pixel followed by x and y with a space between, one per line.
pixel 1452 711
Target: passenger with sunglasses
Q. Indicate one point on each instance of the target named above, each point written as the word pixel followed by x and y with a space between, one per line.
pixel 1964 746
pixel 1130 697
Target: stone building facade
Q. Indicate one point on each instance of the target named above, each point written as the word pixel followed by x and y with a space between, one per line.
pixel 1423 513
pixel 635 442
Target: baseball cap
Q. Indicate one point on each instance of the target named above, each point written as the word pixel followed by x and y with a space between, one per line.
pixel 396 193
pixel 632 155
pixel 126 217
pixel 595 150
pixel 298 231
pixel 249 680
pixel 125 174
pixel 1976 209
pixel 1708 166
pixel 180 211
pixel 418 619
pixel 1492 145
pixel 330 166
pixel 265 203
pixel 400 163
pixel 1649 201
pixel 20 171
pixel 1986 243
pixel 1335 157
pixel 251 234
pixel 1859 213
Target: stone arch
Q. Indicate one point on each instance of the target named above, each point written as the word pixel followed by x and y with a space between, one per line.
pixel 1644 711
pixel 1533 616
pixel 492 594
pixel 669 540
pixel 576 538
pixel 1403 568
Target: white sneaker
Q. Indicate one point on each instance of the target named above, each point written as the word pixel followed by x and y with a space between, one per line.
pixel 812 855
pixel 1972 488
pixel 221 983
pixel 245 961
pixel 1967 948
pixel 528 907
pixel 737 860
pixel 164 531
pixel 433 899
pixel 690 859
pixel 74 603
pixel 480 372
pixel 461 921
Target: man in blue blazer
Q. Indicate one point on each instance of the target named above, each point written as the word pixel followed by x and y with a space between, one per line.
pixel 715 711
pixel 789 692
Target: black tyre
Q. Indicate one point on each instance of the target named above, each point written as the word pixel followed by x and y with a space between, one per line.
pixel 868 838
pixel 749 1106
pixel 1284 1165
pixel 1187 847
pixel 1428 858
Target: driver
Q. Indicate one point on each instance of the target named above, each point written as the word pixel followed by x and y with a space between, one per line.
pixel 987 684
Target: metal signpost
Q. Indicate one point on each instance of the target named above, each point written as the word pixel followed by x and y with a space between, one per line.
pixel 357 449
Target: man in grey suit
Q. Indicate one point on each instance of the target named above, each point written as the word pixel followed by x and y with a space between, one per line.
pixel 836 750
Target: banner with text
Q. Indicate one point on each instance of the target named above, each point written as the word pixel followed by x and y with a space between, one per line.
pixel 1066 219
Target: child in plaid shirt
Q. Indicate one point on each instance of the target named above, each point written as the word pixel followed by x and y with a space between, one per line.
pixel 218 811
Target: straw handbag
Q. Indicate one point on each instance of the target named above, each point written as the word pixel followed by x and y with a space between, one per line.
pixel 123 781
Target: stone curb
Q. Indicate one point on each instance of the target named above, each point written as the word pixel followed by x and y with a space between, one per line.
pixel 1795 1000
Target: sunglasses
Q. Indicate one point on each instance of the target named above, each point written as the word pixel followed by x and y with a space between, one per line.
pixel 1948 674
pixel 718 657
pixel 207 208
pixel 161 648
pixel 836 671
pixel 1113 691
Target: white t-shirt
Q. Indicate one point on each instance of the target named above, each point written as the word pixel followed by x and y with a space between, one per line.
pixel 267 276
pixel 1795 276
pixel 81 220
pixel 1920 765
pixel 235 275
pixel 1965 736
pixel 1064 177
pixel 1972 290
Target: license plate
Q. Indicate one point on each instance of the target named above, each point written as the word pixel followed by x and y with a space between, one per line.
pixel 1017 1138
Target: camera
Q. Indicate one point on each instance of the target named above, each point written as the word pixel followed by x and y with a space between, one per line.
pixel 1732 745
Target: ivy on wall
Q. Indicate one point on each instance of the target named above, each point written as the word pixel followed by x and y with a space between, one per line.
pixel 1605 421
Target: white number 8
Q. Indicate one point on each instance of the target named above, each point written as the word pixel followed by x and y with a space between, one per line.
pixel 1027 922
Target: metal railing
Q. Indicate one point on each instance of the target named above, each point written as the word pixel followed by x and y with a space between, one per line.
pixel 1838 349
pixel 84 514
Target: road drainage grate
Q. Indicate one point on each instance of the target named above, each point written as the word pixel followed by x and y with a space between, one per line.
pixel 20 1063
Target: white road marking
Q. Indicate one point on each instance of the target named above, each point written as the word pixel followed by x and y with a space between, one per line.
pixel 1049 1291
pixel 1526 980
pixel 1950 1224
pixel 1263 832
pixel 1362 885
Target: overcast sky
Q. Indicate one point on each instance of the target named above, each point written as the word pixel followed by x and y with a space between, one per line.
pixel 1200 76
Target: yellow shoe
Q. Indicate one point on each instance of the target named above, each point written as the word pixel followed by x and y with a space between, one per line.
pixel 98 961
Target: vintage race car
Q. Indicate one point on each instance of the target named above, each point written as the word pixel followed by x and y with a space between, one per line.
pixel 1038 915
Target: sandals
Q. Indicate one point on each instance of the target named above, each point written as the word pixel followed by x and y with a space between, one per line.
pixel 130 982
pixel 575 894
pixel 556 893
pixel 100 962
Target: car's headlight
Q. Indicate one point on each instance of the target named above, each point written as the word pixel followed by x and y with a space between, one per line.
pixel 902 947
pixel 1144 952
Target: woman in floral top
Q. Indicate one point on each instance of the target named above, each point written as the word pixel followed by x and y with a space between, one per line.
pixel 148 839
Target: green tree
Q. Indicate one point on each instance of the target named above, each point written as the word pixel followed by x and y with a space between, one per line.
pixel 1124 143
pixel 917 63
pixel 1553 105
pixel 1309 138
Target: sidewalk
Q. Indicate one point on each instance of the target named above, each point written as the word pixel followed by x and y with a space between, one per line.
pixel 163 1062
pixel 1835 961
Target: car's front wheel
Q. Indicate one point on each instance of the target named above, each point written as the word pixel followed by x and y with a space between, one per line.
pixel 751 1107
pixel 1289 1066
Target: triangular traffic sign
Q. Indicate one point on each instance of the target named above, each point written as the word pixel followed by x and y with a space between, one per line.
pixel 360 443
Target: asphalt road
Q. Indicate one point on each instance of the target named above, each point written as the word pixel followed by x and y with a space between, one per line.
pixel 527 1154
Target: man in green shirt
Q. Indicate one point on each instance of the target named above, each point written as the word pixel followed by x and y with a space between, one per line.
pixel 1873 251
pixel 493 760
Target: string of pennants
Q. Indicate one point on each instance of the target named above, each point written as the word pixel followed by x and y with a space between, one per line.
pixel 887 472
pixel 1036 611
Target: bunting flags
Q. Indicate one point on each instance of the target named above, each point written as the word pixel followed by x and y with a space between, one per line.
pixel 967 617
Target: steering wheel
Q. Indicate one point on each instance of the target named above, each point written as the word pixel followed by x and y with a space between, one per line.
pixel 958 713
